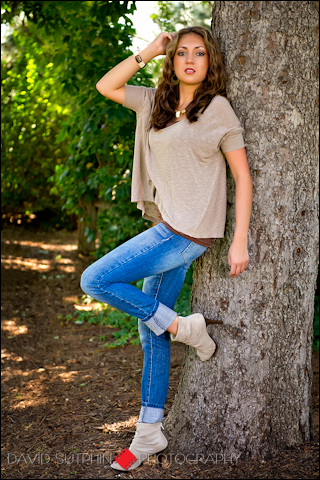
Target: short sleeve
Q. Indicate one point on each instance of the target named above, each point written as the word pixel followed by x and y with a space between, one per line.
pixel 229 126
pixel 138 98
pixel 232 140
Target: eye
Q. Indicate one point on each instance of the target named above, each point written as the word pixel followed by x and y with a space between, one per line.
pixel 200 54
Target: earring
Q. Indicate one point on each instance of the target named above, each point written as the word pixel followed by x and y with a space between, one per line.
pixel 174 79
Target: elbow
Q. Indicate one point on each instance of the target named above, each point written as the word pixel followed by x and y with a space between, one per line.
pixel 98 86
pixel 101 89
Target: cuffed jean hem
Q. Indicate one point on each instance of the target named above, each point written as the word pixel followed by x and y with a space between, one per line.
pixel 161 319
pixel 151 415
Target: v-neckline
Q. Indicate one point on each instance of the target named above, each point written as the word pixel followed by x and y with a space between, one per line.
pixel 174 123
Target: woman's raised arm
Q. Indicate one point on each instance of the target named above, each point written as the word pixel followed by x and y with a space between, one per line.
pixel 112 84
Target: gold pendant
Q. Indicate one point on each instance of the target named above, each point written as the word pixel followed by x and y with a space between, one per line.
pixel 179 112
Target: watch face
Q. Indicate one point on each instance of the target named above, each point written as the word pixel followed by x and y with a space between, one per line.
pixel 139 60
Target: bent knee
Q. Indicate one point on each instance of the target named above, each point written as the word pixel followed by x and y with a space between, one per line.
pixel 92 282
pixel 87 282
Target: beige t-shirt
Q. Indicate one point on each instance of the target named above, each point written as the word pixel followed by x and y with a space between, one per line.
pixel 180 169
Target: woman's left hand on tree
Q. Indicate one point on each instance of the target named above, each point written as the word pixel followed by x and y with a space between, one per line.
pixel 238 258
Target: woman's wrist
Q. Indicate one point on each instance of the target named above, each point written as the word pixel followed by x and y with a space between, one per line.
pixel 240 239
pixel 149 53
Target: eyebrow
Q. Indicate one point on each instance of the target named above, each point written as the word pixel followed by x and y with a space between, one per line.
pixel 200 46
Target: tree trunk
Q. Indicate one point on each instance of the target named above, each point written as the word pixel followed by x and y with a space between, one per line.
pixel 87 221
pixel 253 397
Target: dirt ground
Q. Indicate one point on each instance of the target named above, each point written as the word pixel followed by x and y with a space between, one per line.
pixel 69 405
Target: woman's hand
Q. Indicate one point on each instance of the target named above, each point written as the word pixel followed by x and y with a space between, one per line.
pixel 160 43
pixel 238 258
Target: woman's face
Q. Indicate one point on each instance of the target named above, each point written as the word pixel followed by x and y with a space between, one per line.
pixel 191 60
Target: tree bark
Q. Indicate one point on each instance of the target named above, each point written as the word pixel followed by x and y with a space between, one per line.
pixel 253 397
pixel 88 220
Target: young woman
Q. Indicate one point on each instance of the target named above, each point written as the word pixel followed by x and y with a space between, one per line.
pixel 179 181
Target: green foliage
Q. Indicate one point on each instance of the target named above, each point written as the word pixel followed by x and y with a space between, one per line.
pixel 83 40
pixel 125 325
pixel 173 16
pixel 119 222
pixel 32 112
pixel 100 132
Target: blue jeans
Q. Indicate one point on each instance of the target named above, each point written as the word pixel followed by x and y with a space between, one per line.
pixel 162 258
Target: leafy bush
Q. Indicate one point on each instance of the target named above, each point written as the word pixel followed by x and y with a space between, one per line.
pixel 126 324
pixel 33 109
pixel 57 126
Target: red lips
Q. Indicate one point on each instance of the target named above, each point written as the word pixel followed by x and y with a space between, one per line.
pixel 189 70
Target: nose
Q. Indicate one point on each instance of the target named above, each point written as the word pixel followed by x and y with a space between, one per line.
pixel 190 58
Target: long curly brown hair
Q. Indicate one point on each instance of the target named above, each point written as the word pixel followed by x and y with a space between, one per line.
pixel 167 94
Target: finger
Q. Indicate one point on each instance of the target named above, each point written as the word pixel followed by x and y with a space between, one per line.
pixel 232 270
pixel 238 270
pixel 235 271
pixel 244 266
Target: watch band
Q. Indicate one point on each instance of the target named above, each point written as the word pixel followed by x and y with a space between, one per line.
pixel 139 59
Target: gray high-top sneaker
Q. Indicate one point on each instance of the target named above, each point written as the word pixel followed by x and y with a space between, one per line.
pixel 192 330
pixel 148 440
